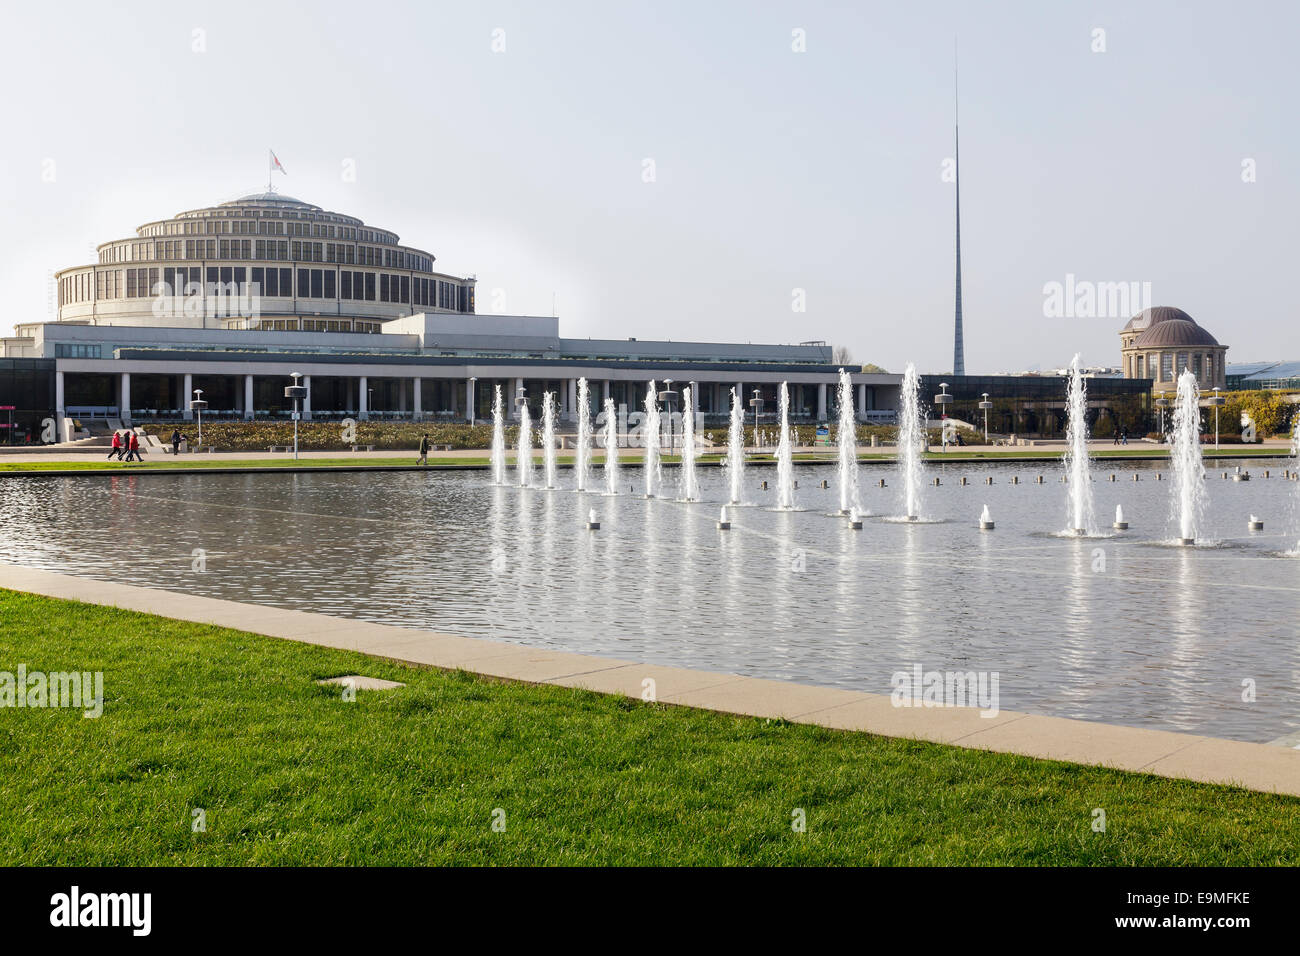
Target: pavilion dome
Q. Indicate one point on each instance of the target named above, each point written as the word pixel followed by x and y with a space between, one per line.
pixel 1175 333
pixel 271 198
pixel 1159 313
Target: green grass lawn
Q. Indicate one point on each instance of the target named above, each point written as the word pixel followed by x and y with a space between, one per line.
pixel 289 773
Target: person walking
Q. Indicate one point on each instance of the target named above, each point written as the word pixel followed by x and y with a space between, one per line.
pixel 117 446
pixel 424 451
pixel 133 446
pixel 176 442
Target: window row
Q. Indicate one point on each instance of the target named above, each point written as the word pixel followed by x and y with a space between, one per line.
pixel 1167 366
pixel 275 282
pixel 265 227
pixel 266 249
pixel 307 325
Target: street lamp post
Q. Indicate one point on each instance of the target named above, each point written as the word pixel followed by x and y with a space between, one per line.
pixel 1217 401
pixel 668 398
pixel 297 393
pixel 985 406
pixel 198 404
pixel 1162 403
pixel 943 400
pixel 756 403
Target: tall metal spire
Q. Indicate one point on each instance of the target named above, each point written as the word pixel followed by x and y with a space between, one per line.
pixel 958 343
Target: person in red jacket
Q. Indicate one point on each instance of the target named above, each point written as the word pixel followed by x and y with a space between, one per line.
pixel 133 450
pixel 117 446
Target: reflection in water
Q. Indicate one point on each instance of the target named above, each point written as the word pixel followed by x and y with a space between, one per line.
pixel 1163 638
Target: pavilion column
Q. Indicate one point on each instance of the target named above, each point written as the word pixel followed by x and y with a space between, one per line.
pixel 604 393
pixel 512 399
pixel 187 393
pixel 571 400
pixel 363 396
pixel 306 402
pixel 471 399
pixel 862 403
pixel 60 429
pixel 417 398
pixel 821 402
pixel 248 398
pixel 124 398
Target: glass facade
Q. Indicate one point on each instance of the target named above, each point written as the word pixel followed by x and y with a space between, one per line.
pixel 28 386
pixel 1034 405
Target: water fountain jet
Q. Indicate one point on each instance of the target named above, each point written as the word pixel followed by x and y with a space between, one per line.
pixel 784 453
pixel 847 441
pixel 498 439
pixel 548 437
pixel 1187 502
pixel 910 437
pixel 650 440
pixel 583 464
pixel 690 486
pixel 1076 455
pixel 524 448
pixel 611 448
pixel 735 463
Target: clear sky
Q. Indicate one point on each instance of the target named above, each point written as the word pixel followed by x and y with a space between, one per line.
pixel 773 170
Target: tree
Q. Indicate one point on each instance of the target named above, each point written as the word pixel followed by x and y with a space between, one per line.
pixel 840 355
pixel 874 369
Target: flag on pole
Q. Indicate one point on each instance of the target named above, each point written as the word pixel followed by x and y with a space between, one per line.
pixel 276 164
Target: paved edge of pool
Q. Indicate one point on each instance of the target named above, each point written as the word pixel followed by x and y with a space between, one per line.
pixel 890 460
pixel 1262 767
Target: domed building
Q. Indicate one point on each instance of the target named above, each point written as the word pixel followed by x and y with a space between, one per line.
pixel 1160 343
pixel 228 304
pixel 266 261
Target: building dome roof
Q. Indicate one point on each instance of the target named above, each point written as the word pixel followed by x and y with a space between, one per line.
pixel 1174 333
pixel 1158 313
pixel 270 197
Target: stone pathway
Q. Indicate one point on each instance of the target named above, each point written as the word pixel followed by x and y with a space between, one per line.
pixel 1186 756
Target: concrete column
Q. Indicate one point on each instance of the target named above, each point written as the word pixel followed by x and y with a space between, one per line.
pixel 862 403
pixel 124 398
pixel 604 393
pixel 248 398
pixel 510 399
pixel 571 400
pixel 417 399
pixel 60 429
pixel 306 402
pixel 821 402
pixel 401 396
pixel 471 406
pixel 363 405
pixel 188 388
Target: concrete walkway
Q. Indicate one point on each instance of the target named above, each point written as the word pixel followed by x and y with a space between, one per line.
pixel 1261 767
